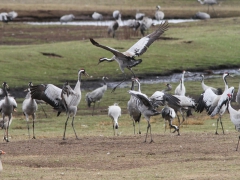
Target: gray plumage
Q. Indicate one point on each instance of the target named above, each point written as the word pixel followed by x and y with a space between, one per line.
pixel 127 59
pixel 97 16
pixel 139 16
pixel 114 26
pixel 114 112
pixel 96 95
pixel 67 18
pixel 214 104
pixel 53 96
pixel 29 108
pixel 132 107
pixel 159 15
pixel 133 24
pixel 234 116
pixel 169 114
pixel 202 15
pixel 146 23
pixel 7 106
pixel 146 108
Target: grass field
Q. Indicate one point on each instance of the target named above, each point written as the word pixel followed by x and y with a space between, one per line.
pixel 197 46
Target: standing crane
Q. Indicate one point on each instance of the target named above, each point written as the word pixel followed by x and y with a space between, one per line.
pixel 132 107
pixel 96 95
pixel 7 106
pixel 180 89
pixel 114 112
pixel 214 103
pixel 146 108
pixel 67 18
pixel 209 3
pixel 114 26
pixel 1 153
pixel 159 15
pixel 234 116
pixel 29 108
pixel 97 16
pixel 127 59
pixel 54 96
pixel 145 24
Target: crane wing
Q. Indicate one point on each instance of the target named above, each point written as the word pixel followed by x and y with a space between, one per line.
pixel 143 44
pixel 49 93
pixel 142 97
pixel 114 51
pixel 223 100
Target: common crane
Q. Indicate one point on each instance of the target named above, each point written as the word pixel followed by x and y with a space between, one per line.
pixel 116 14
pixel 114 26
pixel 178 103
pixel 7 106
pixel 209 3
pixel 213 103
pixel 181 89
pixel 205 87
pixel 67 18
pixel 146 23
pixel 1 153
pixel 6 17
pixel 127 59
pixel 29 108
pixel 132 107
pixel 97 16
pixel 159 15
pixel 234 116
pixel 114 112
pixel 96 95
pixel 54 96
pixel 147 109
pixel 169 114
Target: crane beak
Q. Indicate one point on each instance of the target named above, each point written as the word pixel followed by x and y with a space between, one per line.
pixel 86 74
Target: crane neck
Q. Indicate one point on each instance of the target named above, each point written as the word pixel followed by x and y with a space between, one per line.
pixel 225 82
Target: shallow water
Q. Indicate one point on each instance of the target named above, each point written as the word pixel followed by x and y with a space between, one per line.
pixel 175 77
pixel 104 23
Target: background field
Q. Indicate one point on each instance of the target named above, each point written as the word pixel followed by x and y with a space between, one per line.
pixel 197 46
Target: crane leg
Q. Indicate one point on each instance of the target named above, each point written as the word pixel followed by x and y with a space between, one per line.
pixel 33 126
pixel 147 132
pixel 238 143
pixel 139 132
pixel 74 128
pixel 221 124
pixel 93 108
pixel 27 125
pixel 8 128
pixel 217 126
pixel 134 126
pixel 65 128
